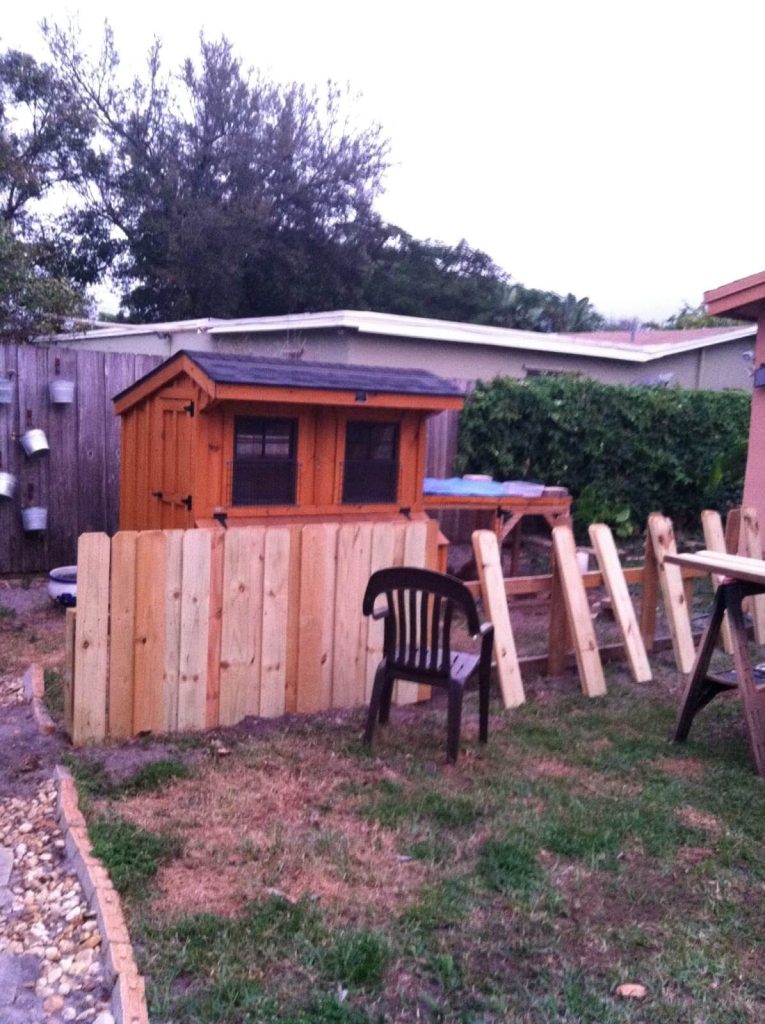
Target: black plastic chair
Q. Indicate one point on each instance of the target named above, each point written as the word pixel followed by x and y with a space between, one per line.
pixel 419 612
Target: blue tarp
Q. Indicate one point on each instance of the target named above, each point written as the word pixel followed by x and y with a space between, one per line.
pixel 457 486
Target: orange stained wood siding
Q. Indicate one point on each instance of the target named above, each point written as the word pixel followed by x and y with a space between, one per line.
pixel 170 455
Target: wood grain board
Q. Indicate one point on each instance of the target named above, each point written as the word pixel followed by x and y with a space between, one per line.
pixel 486 551
pixel 621 602
pixel 714 538
pixel 91 648
pixel 676 605
pixel 578 611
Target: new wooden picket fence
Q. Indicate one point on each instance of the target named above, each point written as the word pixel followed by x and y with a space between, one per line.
pixel 191 629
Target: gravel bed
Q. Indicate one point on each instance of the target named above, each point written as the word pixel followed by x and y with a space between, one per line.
pixel 51 965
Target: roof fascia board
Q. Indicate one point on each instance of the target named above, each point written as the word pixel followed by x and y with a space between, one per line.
pixel 745 297
pixel 320 396
pixel 161 377
pixel 474 334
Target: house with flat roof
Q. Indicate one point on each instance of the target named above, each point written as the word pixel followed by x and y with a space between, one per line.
pixel 709 358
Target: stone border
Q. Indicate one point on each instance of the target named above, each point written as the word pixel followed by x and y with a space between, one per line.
pixel 128 1002
pixel 128 994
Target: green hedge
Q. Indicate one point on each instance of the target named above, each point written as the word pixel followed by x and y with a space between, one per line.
pixel 621 451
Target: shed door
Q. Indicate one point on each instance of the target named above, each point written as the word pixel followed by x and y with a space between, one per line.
pixel 175 487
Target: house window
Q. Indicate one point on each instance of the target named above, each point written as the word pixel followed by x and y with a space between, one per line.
pixel 370 472
pixel 264 461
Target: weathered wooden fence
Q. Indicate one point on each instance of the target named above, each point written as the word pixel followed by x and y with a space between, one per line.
pixel 78 481
pixel 190 629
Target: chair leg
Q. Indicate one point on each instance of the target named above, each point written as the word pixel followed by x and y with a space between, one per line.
pixel 385 700
pixel 454 722
pixel 483 707
pixel 375 703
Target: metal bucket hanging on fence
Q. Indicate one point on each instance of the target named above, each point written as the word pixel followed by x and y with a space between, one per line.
pixel 34 518
pixel 61 391
pixel 7 484
pixel 34 442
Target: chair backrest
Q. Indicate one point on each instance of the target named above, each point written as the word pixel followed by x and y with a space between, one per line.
pixel 419 614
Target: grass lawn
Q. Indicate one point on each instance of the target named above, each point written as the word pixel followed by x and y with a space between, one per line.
pixel 297 878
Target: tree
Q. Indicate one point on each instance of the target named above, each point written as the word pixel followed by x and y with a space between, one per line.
pixel 229 195
pixel 413 277
pixel 690 317
pixel 33 300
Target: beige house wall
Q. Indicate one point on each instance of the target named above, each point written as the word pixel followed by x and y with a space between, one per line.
pixel 715 367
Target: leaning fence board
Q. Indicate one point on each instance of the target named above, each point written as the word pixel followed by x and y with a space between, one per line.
pixel 676 607
pixel 621 602
pixel 294 573
pixel 714 538
pixel 578 612
pixel 273 665
pixel 122 629
pixel 195 625
pixel 148 689
pixel 751 547
pixel 91 638
pixel 354 554
pixel 317 620
pixel 242 624
pixel 487 559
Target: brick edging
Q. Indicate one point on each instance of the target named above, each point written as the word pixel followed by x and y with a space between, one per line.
pixel 128 1003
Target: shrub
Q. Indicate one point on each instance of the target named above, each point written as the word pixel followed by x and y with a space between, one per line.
pixel 623 452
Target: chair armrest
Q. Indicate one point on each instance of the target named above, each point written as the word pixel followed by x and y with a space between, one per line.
pixel 485 627
pixel 381 612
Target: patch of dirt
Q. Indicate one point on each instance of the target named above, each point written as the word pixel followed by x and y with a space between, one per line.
pixel 276 826
pixel 694 818
pixel 682 768
pixel 31 626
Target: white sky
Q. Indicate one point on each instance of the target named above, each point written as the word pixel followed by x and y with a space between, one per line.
pixel 610 149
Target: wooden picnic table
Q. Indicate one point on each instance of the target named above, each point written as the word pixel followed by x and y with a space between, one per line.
pixel 738 578
pixel 554 505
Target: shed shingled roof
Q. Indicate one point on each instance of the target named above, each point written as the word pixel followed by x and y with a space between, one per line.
pixel 262 371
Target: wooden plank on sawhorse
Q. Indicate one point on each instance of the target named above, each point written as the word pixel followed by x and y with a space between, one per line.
pixel 487 558
pixel 676 605
pixel 621 602
pixel 578 611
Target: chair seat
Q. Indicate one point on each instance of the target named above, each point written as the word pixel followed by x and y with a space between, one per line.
pixel 462 665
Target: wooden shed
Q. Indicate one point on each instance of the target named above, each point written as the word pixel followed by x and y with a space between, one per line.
pixel 250 440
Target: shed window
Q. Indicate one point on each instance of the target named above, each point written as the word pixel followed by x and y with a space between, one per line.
pixel 370 473
pixel 264 461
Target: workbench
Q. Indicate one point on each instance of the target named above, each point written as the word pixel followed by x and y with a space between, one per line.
pixel 738 578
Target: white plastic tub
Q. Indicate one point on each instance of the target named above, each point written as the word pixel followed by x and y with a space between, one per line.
pixel 62 585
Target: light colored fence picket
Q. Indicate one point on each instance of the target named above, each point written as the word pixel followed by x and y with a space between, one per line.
pixel 317 619
pixel 92 638
pixel 242 624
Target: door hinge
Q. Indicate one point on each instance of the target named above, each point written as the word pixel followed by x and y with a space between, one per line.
pixel 156 494
pixel 189 408
pixel 187 502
